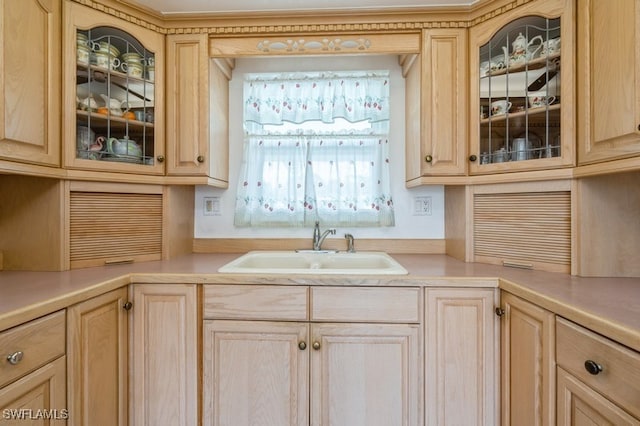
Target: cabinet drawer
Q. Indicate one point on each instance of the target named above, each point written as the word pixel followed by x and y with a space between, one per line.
pixel 619 379
pixel 365 304
pixel 255 302
pixel 40 341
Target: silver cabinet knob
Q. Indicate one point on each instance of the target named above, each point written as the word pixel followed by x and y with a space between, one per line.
pixel 15 357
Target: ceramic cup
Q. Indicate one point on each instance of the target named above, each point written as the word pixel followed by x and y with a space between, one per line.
pixel 132 69
pixel 551 46
pixel 83 54
pixel 104 60
pixel 500 107
pixel 537 100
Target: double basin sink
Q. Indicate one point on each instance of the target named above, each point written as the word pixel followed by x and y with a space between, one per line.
pixel 314 262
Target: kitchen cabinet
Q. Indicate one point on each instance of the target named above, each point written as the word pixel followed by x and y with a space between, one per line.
pixel 608 80
pixel 461 356
pixel 30 81
pixel 165 366
pixel 113 104
pixel 352 358
pixel 522 94
pixel 436 91
pixel 97 359
pixel 528 373
pixel 598 379
pixel 197 110
pixel 32 372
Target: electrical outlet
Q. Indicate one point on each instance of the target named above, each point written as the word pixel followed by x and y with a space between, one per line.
pixel 212 206
pixel 422 206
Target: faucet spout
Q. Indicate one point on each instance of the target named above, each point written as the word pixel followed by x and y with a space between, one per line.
pixel 318 238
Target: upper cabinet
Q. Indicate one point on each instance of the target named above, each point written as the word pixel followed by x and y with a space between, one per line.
pixel 113 107
pixel 436 105
pixel 609 80
pixel 521 93
pixel 30 83
pixel 197 110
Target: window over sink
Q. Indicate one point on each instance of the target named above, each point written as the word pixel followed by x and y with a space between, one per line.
pixel 315 148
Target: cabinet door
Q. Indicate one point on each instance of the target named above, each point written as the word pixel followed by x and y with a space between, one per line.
pixel 528 360
pixel 461 356
pixel 97 355
pixel 522 96
pixel 165 355
pixel 365 374
pixel 30 83
pixel 187 104
pixel 436 106
pixel 608 80
pixel 255 372
pixel 38 398
pixel 113 94
pixel 579 405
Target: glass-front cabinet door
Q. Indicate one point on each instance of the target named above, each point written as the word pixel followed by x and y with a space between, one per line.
pixel 113 102
pixel 522 91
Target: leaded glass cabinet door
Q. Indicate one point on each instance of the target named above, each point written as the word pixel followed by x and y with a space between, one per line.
pixel 113 100
pixel 522 92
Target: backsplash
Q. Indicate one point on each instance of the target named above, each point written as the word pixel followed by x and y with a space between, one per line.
pixel 217 220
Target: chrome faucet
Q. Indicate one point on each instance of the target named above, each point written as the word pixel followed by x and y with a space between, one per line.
pixel 319 238
pixel 350 246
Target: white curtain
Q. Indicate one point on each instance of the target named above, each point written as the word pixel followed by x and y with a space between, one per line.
pixel 294 178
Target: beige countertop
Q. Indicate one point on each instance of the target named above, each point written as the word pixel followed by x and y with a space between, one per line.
pixel 610 306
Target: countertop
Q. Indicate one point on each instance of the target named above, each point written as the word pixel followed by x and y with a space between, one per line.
pixel 609 306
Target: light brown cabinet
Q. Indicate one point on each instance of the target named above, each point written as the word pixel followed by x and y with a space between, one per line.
pixel 436 93
pixel 97 359
pixel 341 373
pixel 461 356
pixel 608 83
pixel 598 379
pixel 522 94
pixel 165 342
pixel 113 107
pixel 197 110
pixel 32 371
pixel 30 81
pixel 527 363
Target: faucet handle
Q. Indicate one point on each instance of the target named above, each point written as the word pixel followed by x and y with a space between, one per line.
pixel 350 244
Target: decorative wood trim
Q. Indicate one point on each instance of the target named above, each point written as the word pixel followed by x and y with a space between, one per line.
pixel 243 245
pixel 328 44
pixel 337 21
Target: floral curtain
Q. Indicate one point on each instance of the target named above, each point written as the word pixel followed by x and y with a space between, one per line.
pixel 294 178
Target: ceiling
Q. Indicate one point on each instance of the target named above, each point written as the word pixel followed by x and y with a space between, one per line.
pixel 178 7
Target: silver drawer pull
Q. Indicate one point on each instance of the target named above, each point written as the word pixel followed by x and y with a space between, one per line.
pixel 15 357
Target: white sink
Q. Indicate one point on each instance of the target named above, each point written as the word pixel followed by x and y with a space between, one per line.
pixel 309 262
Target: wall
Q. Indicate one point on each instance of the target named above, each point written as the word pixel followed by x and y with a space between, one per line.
pixel 408 225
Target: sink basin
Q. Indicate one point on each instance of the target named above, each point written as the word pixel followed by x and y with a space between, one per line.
pixel 308 262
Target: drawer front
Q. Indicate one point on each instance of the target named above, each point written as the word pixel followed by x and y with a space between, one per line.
pixel 619 379
pixel 255 302
pixel 39 341
pixel 365 304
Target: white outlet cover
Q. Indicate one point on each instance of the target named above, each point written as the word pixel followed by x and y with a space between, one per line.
pixel 211 206
pixel 422 206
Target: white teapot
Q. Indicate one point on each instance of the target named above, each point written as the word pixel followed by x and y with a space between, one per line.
pixel 523 50
pixel 115 105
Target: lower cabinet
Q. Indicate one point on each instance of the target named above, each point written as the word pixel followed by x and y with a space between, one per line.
pixel 290 367
pixel 97 359
pixel 598 379
pixel 461 356
pixel 528 363
pixel 32 372
pixel 165 342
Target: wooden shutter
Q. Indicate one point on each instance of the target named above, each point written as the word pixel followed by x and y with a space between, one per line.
pixel 524 229
pixel 114 227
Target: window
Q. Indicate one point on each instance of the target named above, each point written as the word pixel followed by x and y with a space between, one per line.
pixel 315 148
